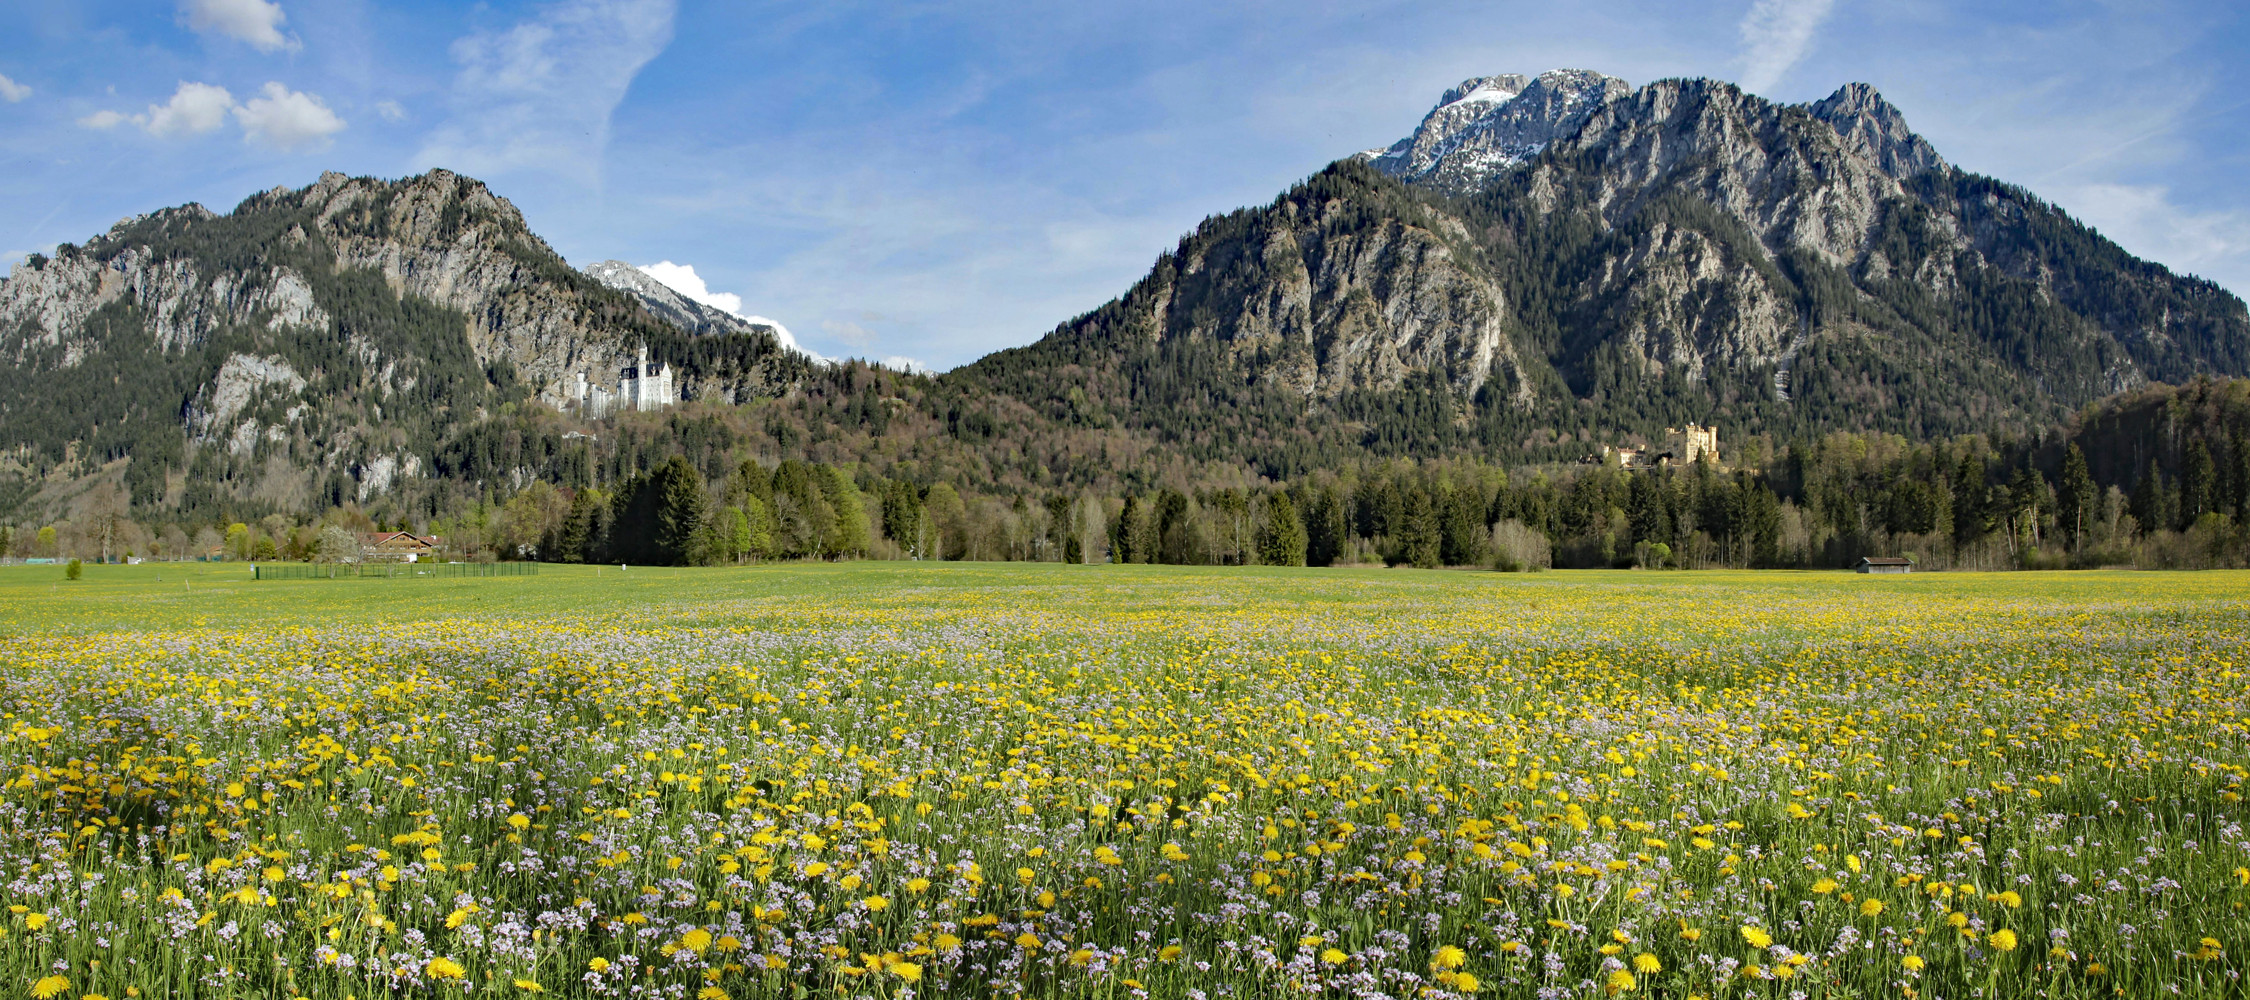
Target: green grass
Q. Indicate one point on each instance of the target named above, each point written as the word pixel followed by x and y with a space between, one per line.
pixel 880 778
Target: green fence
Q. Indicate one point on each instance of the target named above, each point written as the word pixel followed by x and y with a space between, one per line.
pixel 387 570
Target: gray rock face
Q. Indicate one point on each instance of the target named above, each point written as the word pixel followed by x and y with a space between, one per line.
pixel 1818 255
pixel 440 238
pixel 1876 131
pixel 1677 298
pixel 1488 124
pixel 310 332
pixel 48 305
pixel 1308 299
pixel 448 239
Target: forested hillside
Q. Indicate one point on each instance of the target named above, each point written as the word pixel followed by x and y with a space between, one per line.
pixel 312 346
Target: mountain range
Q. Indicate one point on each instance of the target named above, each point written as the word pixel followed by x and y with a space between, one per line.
pixel 1546 264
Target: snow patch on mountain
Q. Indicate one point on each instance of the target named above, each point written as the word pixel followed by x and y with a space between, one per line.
pixel 1487 124
pixel 675 293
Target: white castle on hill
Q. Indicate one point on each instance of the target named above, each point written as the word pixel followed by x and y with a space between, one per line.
pixel 642 385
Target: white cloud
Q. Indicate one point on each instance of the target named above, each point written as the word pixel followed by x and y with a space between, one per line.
pixel 194 108
pixel 1775 34
pixel 279 117
pixel 287 119
pixel 390 111
pixel 11 91
pixel 682 278
pixel 257 22
pixel 539 95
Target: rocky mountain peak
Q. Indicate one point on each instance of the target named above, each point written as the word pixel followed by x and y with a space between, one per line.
pixel 1489 88
pixel 1873 128
pixel 1487 124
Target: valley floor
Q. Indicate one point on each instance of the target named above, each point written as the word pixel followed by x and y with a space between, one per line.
pixel 890 779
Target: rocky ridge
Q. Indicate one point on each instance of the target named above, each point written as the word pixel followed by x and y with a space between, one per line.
pixel 669 305
pixel 1683 247
pixel 1490 123
pixel 340 323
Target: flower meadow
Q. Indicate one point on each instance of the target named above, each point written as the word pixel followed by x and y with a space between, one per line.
pixel 1064 781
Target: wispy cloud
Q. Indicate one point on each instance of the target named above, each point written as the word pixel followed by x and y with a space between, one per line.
pixel 2149 222
pixel 256 22
pixel 1775 35
pixel 539 95
pixel 11 91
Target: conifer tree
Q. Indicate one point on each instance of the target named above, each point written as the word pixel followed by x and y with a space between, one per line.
pixel 2198 481
pixel 2074 502
pixel 1282 542
pixel 1418 532
pixel 1325 528
pixel 679 512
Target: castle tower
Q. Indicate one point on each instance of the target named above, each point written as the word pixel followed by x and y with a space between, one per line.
pixel 645 385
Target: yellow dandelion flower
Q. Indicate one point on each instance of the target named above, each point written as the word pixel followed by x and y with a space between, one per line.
pixel 49 988
pixel 2003 940
pixel 906 971
pixel 1449 957
pixel 1647 964
pixel 1334 956
pixel 1913 963
pixel 529 986
pixel 1871 908
pixel 444 968
pixel 1757 936
pixel 696 940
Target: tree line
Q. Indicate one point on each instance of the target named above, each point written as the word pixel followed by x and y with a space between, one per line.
pixel 2155 478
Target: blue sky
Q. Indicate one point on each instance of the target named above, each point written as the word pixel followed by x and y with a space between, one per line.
pixel 938 180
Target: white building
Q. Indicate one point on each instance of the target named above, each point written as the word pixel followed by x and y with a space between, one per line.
pixel 642 385
pixel 645 386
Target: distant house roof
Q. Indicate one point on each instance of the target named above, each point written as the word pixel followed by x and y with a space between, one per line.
pixel 397 540
pixel 1885 561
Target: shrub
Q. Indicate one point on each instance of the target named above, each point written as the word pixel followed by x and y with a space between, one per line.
pixel 74 570
pixel 1520 548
